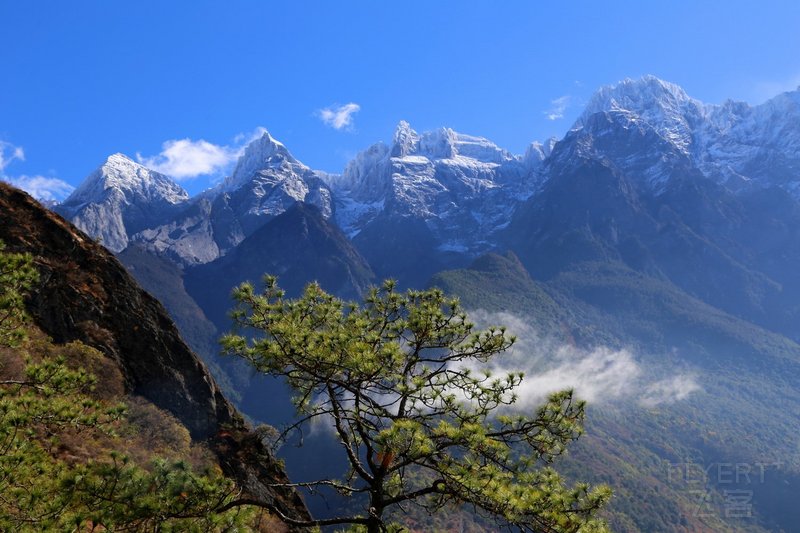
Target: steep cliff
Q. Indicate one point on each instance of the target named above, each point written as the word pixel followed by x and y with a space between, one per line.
pixel 85 294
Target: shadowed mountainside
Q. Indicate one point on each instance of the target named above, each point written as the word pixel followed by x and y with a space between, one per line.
pixel 85 294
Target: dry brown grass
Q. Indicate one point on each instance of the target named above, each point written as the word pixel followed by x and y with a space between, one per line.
pixel 146 432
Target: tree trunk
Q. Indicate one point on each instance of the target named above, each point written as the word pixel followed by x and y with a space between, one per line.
pixel 376 506
pixel 374 525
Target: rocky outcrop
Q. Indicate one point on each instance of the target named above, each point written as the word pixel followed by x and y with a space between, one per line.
pixel 744 147
pixel 85 294
pixel 299 246
pixel 462 187
pixel 121 198
pixel 267 181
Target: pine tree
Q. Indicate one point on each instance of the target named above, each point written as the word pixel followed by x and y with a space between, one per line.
pixel 397 379
pixel 17 275
pixel 40 488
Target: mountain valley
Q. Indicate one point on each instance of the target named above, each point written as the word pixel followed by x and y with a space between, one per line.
pixel 650 255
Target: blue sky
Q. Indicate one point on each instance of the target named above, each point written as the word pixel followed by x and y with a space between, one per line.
pixel 81 80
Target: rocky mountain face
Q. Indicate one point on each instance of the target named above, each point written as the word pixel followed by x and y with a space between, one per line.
pixel 267 181
pixel 119 199
pixel 704 196
pixel 438 196
pixel 85 294
pixel 637 180
pixel 298 246
pixel 123 202
pixel 461 186
pixel 452 193
pixel 741 146
pixel 644 172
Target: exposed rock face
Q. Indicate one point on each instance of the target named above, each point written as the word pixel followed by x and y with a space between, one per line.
pixel 462 187
pixel 298 246
pixel 657 219
pixel 163 279
pixel 452 192
pixel 267 181
pixel 200 233
pixel 120 199
pixel 442 194
pixel 619 180
pixel 634 183
pixel 741 146
pixel 430 201
pixel 85 294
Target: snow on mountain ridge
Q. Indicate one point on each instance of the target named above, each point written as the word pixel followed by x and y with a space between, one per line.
pixel 538 152
pixel 748 146
pixel 663 105
pixel 273 178
pixel 445 143
pixel 734 143
pixel 462 187
pixel 263 152
pixel 632 94
pixel 440 177
pixel 266 181
pixel 405 140
pixel 120 198
pixel 122 173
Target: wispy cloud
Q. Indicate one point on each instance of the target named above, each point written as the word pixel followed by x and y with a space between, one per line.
pixel 557 107
pixel 41 187
pixel 8 153
pixel 599 375
pixel 185 159
pixel 243 139
pixel 669 390
pixel 339 117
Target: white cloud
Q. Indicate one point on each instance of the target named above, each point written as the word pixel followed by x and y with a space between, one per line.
pixel 669 390
pixel 8 153
pixel 41 187
pixel 600 375
pixel 243 139
pixel 557 107
pixel 186 159
pixel 339 117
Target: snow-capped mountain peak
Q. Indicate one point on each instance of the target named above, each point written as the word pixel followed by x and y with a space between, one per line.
pixel 638 96
pixel 405 140
pixel 266 182
pixel 263 152
pixel 120 198
pixel 448 180
pixel 653 128
pixel 661 105
pixel 438 144
pixel 538 152
pixel 121 173
pixel 444 143
pixel 746 146
pixel 458 190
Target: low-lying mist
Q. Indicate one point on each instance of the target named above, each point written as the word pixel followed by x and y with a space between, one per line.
pixel 600 375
